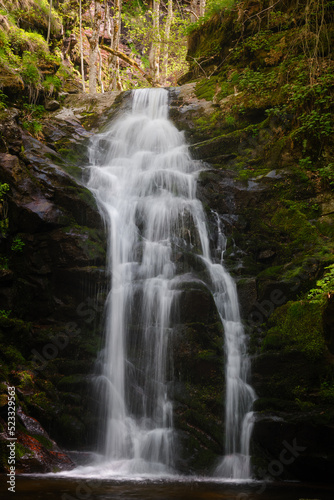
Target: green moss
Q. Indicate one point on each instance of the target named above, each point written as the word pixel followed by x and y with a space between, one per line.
pixel 206 89
pixel 72 382
pixel 40 399
pixel 12 355
pixel 43 440
pixel 297 325
pixel 22 451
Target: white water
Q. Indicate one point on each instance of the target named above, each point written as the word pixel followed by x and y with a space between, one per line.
pixel 145 183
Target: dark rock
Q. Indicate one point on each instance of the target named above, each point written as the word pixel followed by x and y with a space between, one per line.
pixel 41 454
pixel 266 255
pixel 10 132
pixel 247 295
pixel 198 363
pixel 299 447
pixel 52 105
pixel 10 83
pixel 57 220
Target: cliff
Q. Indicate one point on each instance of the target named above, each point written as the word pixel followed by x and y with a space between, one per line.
pixel 259 112
pixel 256 107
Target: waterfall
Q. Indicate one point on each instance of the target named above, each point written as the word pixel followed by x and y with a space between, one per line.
pixel 144 181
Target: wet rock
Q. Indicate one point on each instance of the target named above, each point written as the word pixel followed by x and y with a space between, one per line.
pixel 10 132
pixel 197 364
pixel 247 295
pixel 38 453
pixel 56 219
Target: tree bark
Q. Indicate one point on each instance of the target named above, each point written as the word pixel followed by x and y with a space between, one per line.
pixel 81 49
pixel 166 41
pixel 154 57
pixel 193 10
pixel 94 47
pixel 49 23
pixel 100 72
pixel 116 34
pixel 202 5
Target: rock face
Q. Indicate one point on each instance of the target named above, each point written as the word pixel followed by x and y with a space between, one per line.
pixel 198 377
pixel 274 253
pixel 52 279
pixel 52 287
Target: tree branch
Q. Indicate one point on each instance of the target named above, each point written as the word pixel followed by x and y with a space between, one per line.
pixel 128 60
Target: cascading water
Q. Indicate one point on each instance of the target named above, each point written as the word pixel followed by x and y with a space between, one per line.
pixel 145 184
pixel 239 394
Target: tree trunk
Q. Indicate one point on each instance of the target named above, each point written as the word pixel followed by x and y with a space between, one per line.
pixel 49 23
pixel 94 47
pixel 81 49
pixel 116 34
pixel 154 57
pixel 166 41
pixel 193 11
pixel 100 73
pixel 202 4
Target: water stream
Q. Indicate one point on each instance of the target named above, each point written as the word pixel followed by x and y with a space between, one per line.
pixel 144 181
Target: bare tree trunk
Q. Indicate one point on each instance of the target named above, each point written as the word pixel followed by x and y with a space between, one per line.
pixel 100 73
pixel 94 47
pixel 115 38
pixel 49 23
pixel 166 41
pixel 81 49
pixel 193 10
pixel 154 57
pixel 202 5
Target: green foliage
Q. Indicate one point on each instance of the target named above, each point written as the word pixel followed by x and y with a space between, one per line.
pixel 4 188
pixel 22 41
pixel 324 171
pixel 140 32
pixel 258 82
pixel 230 121
pixel 4 313
pixel 17 244
pixel 327 392
pixel 327 174
pixel 212 7
pixel 316 124
pixel 3 99
pixel 32 113
pixel 30 73
pixel 36 13
pixel 324 287
pixel 3 262
pixel 52 84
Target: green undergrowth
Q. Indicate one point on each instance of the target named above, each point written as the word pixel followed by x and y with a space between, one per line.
pixel 275 60
pixel 29 67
